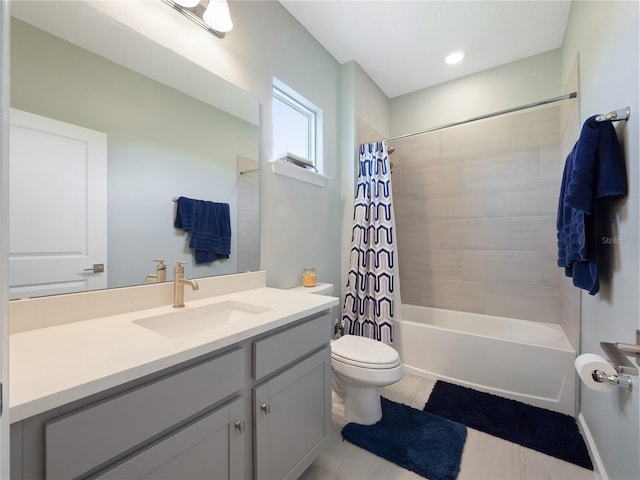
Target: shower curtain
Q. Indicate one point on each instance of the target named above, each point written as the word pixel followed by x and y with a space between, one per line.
pixel 369 303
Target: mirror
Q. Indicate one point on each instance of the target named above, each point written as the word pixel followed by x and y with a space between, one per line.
pixel 172 129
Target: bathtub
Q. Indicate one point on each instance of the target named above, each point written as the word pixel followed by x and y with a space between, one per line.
pixel 527 361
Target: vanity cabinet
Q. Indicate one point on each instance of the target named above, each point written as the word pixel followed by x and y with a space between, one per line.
pixel 209 447
pixel 292 402
pixel 292 413
pixel 168 422
pixel 260 408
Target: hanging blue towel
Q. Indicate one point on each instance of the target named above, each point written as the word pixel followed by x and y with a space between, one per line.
pixel 210 227
pixel 594 172
pixel 184 214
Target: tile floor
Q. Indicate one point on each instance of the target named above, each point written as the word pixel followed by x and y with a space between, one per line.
pixel 483 457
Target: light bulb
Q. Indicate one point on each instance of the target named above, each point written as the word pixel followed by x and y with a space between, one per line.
pixel 187 3
pixel 217 16
pixel 454 57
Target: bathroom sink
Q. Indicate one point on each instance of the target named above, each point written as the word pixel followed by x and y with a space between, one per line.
pixel 189 320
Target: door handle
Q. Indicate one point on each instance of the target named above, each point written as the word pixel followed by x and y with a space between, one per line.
pixel 266 408
pixel 240 426
pixel 97 268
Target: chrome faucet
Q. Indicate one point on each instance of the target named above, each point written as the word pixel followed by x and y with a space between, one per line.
pixel 178 284
pixel 161 273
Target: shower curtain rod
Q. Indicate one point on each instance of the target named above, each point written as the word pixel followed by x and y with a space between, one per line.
pixel 488 115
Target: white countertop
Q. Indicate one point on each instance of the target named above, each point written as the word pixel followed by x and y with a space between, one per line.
pixel 52 366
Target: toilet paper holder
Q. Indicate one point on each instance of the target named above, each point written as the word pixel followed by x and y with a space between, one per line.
pixel 617 354
pixel 622 381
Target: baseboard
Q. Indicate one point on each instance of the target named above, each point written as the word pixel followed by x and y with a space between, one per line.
pixel 418 372
pixel 598 466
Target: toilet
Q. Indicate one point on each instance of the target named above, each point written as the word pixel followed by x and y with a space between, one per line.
pixel 360 366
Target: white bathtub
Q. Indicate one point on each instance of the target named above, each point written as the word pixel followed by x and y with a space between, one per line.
pixel 527 361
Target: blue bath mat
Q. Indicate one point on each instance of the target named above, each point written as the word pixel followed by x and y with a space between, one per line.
pixel 549 432
pixel 426 444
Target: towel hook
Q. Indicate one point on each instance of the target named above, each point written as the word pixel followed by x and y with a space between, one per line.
pixel 615 115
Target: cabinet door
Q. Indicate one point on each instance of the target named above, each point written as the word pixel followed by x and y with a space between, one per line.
pixel 211 447
pixel 87 438
pixel 292 413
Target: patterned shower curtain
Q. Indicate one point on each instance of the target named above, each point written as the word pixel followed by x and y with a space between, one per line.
pixel 369 297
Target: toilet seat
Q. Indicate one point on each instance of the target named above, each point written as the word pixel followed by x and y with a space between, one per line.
pixel 364 352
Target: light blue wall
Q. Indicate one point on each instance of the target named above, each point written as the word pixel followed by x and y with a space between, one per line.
pixel 300 223
pixel 372 105
pixel 518 83
pixel 605 36
pixel 361 101
pixel 303 225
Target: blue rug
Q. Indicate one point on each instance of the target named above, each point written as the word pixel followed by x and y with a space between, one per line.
pixel 426 444
pixel 549 432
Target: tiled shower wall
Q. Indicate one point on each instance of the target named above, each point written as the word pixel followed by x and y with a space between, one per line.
pixel 475 209
pixel 569 295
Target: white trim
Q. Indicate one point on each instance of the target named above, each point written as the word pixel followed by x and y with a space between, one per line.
pixel 298 103
pixel 598 466
pixel 286 169
pixel 4 236
pixel 309 116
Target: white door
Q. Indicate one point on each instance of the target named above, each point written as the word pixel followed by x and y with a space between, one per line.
pixel 57 207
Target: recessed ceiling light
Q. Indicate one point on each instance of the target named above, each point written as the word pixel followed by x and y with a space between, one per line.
pixel 454 57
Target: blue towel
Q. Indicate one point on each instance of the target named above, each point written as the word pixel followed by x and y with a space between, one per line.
pixel 594 172
pixel 210 227
pixel 184 214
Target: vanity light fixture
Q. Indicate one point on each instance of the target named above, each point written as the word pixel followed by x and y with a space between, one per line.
pixel 454 57
pixel 188 3
pixel 212 15
pixel 217 16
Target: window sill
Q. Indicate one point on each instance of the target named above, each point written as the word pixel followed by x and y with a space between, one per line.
pixel 292 171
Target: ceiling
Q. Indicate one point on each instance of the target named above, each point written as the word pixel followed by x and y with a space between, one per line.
pixel 402 44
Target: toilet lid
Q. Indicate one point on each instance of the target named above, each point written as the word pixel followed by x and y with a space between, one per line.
pixel 362 351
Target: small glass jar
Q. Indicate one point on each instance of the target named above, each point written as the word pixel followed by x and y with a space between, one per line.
pixel 309 277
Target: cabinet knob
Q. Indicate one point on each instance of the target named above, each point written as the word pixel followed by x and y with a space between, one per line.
pixel 240 425
pixel 266 408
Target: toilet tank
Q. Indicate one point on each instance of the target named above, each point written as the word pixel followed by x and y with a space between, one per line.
pixel 319 289
pixel 324 289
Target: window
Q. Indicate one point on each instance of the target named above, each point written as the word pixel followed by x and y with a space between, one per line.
pixel 297 125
